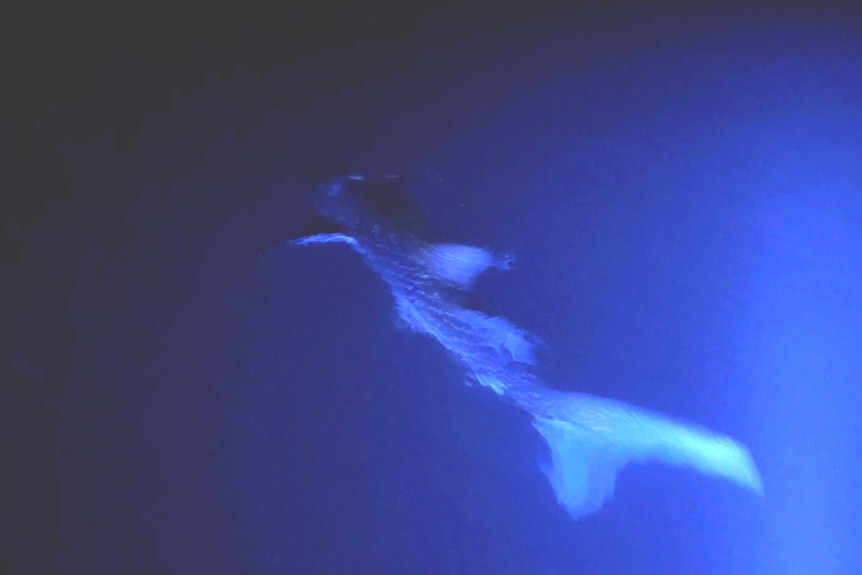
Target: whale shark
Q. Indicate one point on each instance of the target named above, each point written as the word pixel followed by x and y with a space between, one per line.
pixel 590 438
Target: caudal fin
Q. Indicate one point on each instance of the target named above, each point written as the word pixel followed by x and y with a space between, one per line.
pixel 592 439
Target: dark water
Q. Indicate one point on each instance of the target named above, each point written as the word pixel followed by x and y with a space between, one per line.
pixel 681 191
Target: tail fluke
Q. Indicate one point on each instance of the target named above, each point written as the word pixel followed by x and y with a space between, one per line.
pixel 592 439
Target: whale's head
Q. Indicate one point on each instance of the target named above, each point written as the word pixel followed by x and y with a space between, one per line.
pixel 358 200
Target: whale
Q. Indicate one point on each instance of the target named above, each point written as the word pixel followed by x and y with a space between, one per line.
pixel 590 438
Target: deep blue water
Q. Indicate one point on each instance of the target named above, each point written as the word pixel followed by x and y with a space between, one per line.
pixel 684 199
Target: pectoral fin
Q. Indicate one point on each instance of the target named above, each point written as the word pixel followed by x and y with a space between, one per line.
pixel 460 264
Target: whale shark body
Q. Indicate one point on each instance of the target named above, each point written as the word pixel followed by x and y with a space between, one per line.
pixel 590 438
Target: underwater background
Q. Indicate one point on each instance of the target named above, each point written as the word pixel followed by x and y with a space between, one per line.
pixel 680 189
